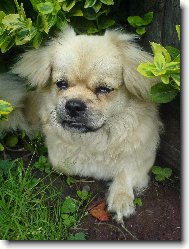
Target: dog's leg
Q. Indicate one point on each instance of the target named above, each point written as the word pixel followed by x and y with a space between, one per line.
pixel 121 196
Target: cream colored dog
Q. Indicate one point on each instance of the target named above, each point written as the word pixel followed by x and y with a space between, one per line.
pixel 93 108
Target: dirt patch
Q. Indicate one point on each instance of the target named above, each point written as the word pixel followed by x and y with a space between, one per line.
pixel 159 217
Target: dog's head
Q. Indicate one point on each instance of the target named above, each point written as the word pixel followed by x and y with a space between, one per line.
pixel 88 79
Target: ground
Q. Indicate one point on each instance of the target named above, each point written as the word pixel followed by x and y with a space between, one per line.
pixel 158 218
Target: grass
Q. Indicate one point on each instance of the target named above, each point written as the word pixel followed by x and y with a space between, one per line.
pixel 31 209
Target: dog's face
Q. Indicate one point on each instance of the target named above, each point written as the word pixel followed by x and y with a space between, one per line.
pixel 91 78
pixel 89 85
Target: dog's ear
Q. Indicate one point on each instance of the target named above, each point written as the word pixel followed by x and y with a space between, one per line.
pixel 131 56
pixel 36 65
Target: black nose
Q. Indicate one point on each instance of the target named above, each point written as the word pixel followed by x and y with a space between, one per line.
pixel 75 107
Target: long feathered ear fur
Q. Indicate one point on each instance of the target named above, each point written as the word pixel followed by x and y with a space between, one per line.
pixel 132 55
pixel 36 65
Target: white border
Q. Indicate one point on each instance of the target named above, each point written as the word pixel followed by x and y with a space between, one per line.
pixel 185 168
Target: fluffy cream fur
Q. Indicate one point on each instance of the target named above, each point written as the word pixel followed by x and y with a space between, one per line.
pixel 123 148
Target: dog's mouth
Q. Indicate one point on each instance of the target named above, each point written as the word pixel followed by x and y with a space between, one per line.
pixel 78 126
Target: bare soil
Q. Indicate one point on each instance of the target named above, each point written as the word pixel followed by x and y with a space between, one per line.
pixel 159 217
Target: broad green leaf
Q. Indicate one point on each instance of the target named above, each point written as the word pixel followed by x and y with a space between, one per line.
pixel 37 40
pixel 156 170
pixel 159 61
pixel 82 194
pixel 45 8
pixel 162 93
pixel 92 29
pixel 135 21
pixel 69 205
pixel 2 15
pixel 167 172
pixel 1 147
pixel 160 178
pixel 5 107
pixel 97 6
pixel 24 35
pixel 141 30
pixel 76 12
pixel 178 31
pixel 89 3
pixel 11 141
pixel 173 66
pixel 147 18
pixel 107 2
pixel 158 49
pixel 165 79
pixel 174 52
pixel 68 5
pixel 89 14
pixel 176 78
pixel 12 21
pixel 51 20
pixel 105 23
pixel 68 220
pixel 77 236
pixel 61 21
pixel 137 202
pixel 146 69
pixel 177 59
pixel 8 44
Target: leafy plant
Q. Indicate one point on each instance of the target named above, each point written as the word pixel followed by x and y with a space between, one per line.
pixel 166 66
pixel 161 174
pixel 140 23
pixel 137 201
pixel 5 109
pixel 18 28
pixel 43 165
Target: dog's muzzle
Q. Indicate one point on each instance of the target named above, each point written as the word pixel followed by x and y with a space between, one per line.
pixel 75 117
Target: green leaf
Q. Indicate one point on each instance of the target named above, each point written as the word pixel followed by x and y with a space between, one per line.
pixel 45 8
pixel 1 147
pixel 76 12
pixel 77 236
pixel 146 69
pixel 12 21
pixel 70 180
pixel 159 61
pixel 68 5
pixel 83 195
pixel 158 49
pixel 148 18
pixel 141 30
pixel 176 78
pixel 5 107
pixel 61 21
pixel 107 2
pixel 105 23
pixel 89 14
pixel 68 220
pixel 11 141
pixel 135 21
pixel 92 29
pixel 24 35
pixel 162 93
pixel 174 52
pixel 69 205
pixel 156 170
pixel 97 7
pixel 89 3
pixel 137 202
pixel 178 31
pixel 37 40
pixel 2 15
pixel 167 172
pixel 165 79
pixel 173 67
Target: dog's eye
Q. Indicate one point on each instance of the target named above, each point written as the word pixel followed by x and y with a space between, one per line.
pixel 103 90
pixel 62 84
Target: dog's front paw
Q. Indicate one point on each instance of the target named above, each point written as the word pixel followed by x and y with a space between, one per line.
pixel 122 204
